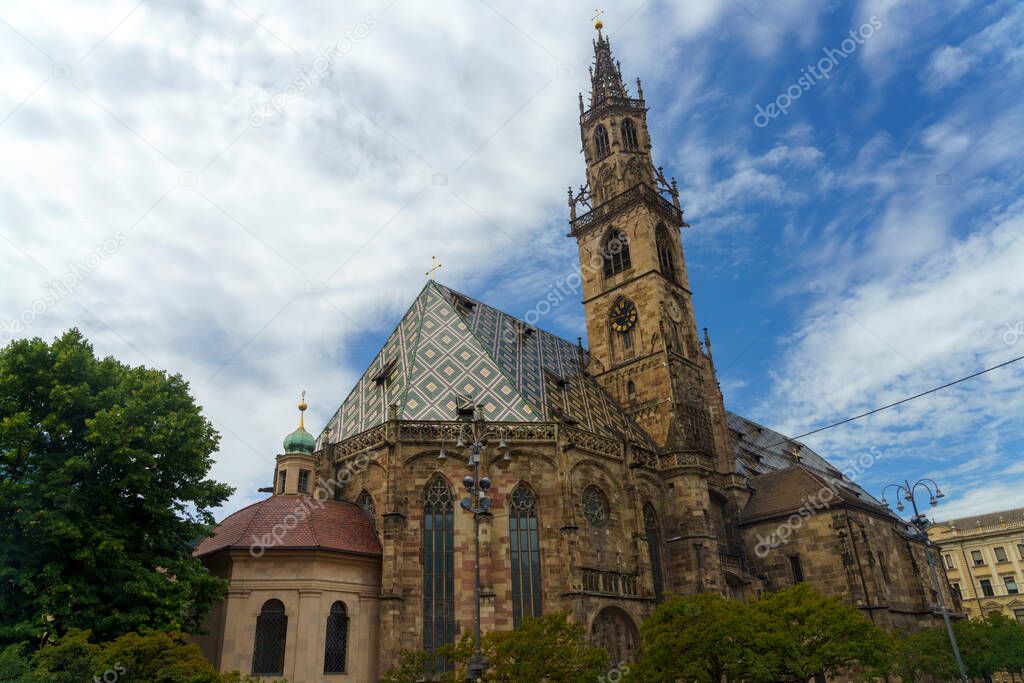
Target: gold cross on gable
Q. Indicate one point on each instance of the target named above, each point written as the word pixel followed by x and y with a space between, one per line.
pixel 434 265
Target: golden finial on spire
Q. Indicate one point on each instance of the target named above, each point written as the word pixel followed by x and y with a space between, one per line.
pixel 598 24
pixel 302 409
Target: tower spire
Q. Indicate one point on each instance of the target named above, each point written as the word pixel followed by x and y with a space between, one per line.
pixel 605 76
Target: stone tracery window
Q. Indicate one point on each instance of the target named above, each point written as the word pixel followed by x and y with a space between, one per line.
pixel 365 501
pixel 653 531
pixel 524 548
pixel 629 139
pixel 336 641
pixel 595 505
pixel 615 253
pixel 665 247
pixel 438 569
pixel 271 633
pixel 601 140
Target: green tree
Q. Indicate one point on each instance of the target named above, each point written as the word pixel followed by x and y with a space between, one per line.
pixel 988 646
pixel 699 638
pixel 808 634
pixel 103 492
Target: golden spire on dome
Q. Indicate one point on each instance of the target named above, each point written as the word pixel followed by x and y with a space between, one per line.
pixel 302 409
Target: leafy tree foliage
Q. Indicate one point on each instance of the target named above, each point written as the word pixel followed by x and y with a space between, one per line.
pixel 103 492
pixel 791 635
pixel 988 646
pixel 548 649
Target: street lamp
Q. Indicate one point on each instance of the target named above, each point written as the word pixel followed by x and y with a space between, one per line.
pixel 476 431
pixel 921 523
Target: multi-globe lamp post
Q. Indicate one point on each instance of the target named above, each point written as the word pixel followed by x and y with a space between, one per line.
pixel 908 491
pixel 476 431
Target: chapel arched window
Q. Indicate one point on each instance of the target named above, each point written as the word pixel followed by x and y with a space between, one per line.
pixel 524 549
pixel 595 505
pixel 336 642
pixel 616 253
pixel 271 634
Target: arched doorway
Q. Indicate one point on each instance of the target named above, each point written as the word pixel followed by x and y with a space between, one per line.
pixel 614 630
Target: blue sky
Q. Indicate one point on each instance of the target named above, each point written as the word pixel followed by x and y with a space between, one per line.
pixel 267 217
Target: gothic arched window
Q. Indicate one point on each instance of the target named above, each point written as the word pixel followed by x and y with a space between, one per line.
pixel 629 134
pixel 665 249
pixel 524 548
pixel 601 141
pixel 365 501
pixel 438 569
pixel 614 630
pixel 631 390
pixel 616 253
pixel 271 633
pixel 595 505
pixel 336 643
pixel 653 531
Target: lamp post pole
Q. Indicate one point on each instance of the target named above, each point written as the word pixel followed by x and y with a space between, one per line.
pixel 477 431
pixel 921 523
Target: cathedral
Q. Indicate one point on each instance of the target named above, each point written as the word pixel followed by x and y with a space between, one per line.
pixel 617 476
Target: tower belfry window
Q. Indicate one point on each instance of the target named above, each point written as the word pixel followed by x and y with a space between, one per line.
pixel 665 260
pixel 616 253
pixel 629 139
pixel 601 141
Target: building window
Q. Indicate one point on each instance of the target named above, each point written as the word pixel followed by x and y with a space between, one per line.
pixel 271 632
pixel 884 567
pixel 1000 554
pixel 653 531
pixel 616 253
pixel 303 481
pixel 948 561
pixel 977 558
pixel 282 477
pixel 665 248
pixel 595 505
pixel 986 588
pixel 955 587
pixel 631 390
pixel 524 549
pixel 438 570
pixel 1019 613
pixel 1011 585
pixel 1020 550
pixel 336 643
pixel 796 568
pixel 365 501
pixel 601 141
pixel 629 134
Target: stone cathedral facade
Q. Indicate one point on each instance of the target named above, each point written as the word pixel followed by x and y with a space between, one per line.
pixel 619 477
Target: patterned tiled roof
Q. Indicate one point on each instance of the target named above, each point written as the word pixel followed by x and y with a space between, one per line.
pixel 449 345
pixel 282 522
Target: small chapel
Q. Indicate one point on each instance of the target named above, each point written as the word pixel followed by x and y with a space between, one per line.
pixel 618 477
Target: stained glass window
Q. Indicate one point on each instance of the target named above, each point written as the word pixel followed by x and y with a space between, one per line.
pixel 653 531
pixel 336 643
pixel 271 632
pixel 595 505
pixel 438 569
pixel 524 548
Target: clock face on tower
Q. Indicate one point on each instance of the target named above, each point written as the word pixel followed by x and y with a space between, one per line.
pixel 623 315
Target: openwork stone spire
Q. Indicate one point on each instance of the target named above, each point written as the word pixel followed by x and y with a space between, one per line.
pixel 605 76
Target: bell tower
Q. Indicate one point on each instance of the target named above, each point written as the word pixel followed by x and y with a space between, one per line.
pixel 641 329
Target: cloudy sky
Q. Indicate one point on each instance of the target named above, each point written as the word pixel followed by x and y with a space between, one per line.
pixel 249 192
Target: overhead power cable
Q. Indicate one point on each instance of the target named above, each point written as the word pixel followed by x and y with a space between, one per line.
pixel 900 402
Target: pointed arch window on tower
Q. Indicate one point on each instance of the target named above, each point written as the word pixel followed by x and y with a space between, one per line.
pixel 653 531
pixel 665 247
pixel 629 139
pixel 616 253
pixel 438 570
pixel 524 549
pixel 601 141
